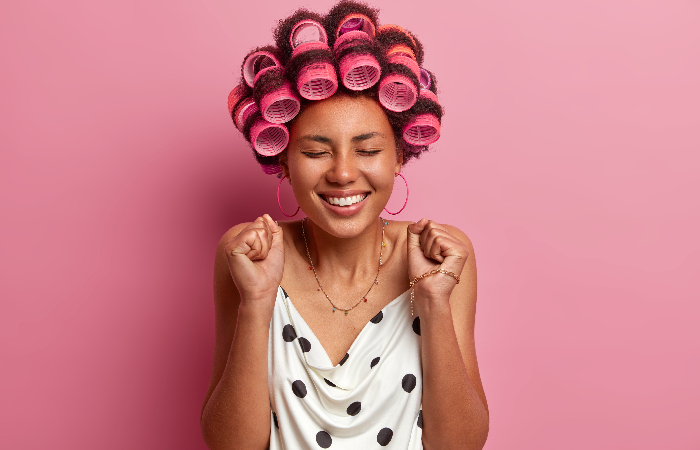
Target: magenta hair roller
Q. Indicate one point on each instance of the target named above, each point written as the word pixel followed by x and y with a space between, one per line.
pixel 424 129
pixel 397 93
pixel 424 79
pixel 257 63
pixel 317 81
pixel 307 31
pixel 356 22
pixel 271 169
pixel 269 139
pixel 244 110
pixel 405 60
pixel 430 95
pixel 280 105
pixel 359 71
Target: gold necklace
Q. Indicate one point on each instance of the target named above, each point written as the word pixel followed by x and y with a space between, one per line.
pixel 320 288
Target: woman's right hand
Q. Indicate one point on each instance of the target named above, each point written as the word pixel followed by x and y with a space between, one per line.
pixel 256 261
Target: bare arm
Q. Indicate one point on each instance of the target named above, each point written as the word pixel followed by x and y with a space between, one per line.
pixel 236 409
pixel 455 412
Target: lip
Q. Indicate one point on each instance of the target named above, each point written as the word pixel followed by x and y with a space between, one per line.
pixel 344 210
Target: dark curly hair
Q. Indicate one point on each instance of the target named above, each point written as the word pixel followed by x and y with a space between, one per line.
pixel 393 77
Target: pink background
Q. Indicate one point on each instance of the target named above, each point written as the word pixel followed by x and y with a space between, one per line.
pixel 569 156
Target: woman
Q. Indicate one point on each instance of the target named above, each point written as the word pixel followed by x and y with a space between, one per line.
pixel 322 341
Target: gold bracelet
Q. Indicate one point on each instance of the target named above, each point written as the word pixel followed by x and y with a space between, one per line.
pixel 432 272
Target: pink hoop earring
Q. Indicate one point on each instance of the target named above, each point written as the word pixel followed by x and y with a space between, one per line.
pixel 280 204
pixel 404 203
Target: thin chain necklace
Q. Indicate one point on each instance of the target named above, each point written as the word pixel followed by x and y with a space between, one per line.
pixel 320 288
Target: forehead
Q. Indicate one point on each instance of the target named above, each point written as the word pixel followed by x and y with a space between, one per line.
pixel 342 116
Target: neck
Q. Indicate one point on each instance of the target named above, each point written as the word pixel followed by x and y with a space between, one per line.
pixel 347 259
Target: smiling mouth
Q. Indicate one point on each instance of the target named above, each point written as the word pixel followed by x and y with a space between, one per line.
pixel 345 201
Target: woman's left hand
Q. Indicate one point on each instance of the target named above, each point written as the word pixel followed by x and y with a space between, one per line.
pixel 431 246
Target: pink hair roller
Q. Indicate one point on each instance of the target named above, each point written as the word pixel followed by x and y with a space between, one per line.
pixel 350 38
pixel 359 71
pixel 317 81
pixel 307 31
pixel 424 129
pixel 271 169
pixel 397 93
pixel 280 105
pixel 430 95
pixel 405 60
pixel 233 97
pixel 269 139
pixel 356 22
pixel 257 63
pixel 424 79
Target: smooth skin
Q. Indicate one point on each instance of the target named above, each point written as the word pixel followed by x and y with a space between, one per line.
pixel 343 144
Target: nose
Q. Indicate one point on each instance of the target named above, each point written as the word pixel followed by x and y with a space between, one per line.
pixel 344 169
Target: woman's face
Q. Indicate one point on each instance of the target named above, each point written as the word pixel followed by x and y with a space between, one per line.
pixel 341 160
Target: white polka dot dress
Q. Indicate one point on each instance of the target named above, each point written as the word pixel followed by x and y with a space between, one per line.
pixel 370 400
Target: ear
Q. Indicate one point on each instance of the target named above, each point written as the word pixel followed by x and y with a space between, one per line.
pixel 399 160
pixel 283 163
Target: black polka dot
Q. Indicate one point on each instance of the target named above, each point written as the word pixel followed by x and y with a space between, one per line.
pixel 416 325
pixel 408 383
pixel 288 333
pixel 305 344
pixel 384 436
pixel 323 439
pixel 354 408
pixel 374 362
pixel 329 382
pixel 345 358
pixel 284 292
pixel 420 419
pixel 378 318
pixel 299 388
pixel 274 417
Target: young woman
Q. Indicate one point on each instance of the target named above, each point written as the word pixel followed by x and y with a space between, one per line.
pixel 343 330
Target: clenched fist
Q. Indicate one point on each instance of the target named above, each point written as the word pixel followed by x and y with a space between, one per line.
pixel 431 246
pixel 256 260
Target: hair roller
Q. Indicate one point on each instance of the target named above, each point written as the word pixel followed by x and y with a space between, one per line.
pixel 424 129
pixel 236 98
pixel 359 68
pixel 275 96
pixel 257 62
pixel 271 169
pixel 311 64
pixel 347 16
pixel 268 139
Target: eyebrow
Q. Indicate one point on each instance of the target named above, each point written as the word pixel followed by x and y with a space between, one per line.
pixel 326 140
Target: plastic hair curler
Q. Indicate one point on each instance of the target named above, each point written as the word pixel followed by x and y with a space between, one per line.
pixel 280 105
pixel 424 129
pixel 257 63
pixel 269 139
pixel 358 71
pixel 356 22
pixel 430 95
pixel 424 78
pixel 397 92
pixel 271 169
pixel 317 79
pixel 307 31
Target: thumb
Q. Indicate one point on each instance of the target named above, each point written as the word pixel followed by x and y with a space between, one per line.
pixel 276 231
pixel 414 230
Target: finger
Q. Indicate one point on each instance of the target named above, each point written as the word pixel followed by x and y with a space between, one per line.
pixel 277 235
pixel 439 245
pixel 245 244
pixel 414 231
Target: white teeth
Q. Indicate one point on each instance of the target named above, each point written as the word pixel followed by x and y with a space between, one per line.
pixel 346 201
